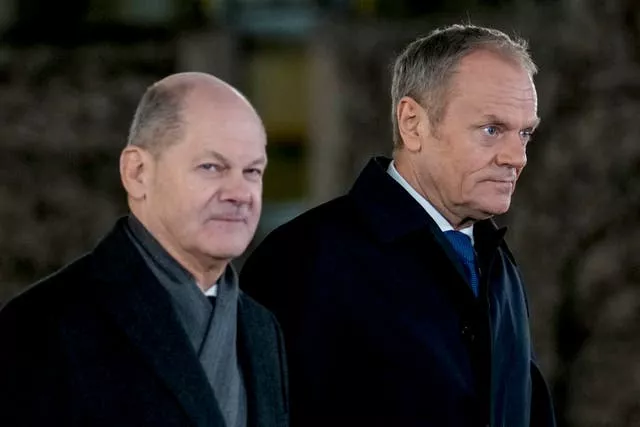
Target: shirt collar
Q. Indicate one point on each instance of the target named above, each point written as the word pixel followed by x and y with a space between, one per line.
pixel 440 220
pixel 212 291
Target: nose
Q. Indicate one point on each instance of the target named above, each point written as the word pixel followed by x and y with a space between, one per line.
pixel 236 190
pixel 512 153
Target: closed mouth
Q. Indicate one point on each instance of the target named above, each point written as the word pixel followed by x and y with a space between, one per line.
pixel 229 218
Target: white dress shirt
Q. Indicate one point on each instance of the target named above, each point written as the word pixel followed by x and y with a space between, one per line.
pixel 431 210
pixel 212 291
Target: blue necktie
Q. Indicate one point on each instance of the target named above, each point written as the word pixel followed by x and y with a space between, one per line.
pixel 462 245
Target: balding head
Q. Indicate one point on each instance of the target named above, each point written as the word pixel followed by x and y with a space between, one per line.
pixel 164 109
pixel 193 170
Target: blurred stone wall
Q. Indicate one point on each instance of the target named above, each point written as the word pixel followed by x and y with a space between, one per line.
pixel 64 117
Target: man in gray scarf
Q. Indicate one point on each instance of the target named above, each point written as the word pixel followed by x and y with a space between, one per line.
pixel 150 328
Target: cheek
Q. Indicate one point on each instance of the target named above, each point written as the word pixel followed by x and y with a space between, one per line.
pixel 254 215
pixel 458 175
pixel 478 165
pixel 187 212
pixel 256 197
pixel 257 200
pixel 174 191
pixel 472 179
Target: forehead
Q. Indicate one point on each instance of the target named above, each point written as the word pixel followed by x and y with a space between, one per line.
pixel 487 83
pixel 234 131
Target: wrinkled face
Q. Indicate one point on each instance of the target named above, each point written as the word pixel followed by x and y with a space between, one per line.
pixel 205 192
pixel 470 163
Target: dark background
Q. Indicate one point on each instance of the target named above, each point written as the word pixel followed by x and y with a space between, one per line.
pixel 71 73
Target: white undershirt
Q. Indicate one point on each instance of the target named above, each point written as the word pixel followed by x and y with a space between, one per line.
pixel 212 291
pixel 431 210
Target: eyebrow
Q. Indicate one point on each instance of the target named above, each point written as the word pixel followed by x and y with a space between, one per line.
pixel 262 160
pixel 494 119
pixel 259 162
pixel 217 155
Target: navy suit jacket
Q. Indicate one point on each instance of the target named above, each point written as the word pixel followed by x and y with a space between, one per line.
pixel 98 344
pixel 382 328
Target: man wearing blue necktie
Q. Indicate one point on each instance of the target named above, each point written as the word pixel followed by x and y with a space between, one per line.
pixel 400 301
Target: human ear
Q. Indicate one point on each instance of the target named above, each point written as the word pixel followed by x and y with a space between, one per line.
pixel 135 167
pixel 412 120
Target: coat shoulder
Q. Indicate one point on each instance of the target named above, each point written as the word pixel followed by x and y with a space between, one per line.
pixel 293 250
pixel 51 294
pixel 329 214
pixel 310 229
pixel 255 313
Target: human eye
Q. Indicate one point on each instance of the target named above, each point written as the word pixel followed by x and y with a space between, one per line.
pixel 254 173
pixel 526 135
pixel 211 167
pixel 491 130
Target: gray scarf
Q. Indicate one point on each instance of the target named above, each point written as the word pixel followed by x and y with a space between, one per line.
pixel 212 333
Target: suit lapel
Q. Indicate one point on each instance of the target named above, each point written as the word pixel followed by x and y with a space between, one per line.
pixel 395 218
pixel 142 309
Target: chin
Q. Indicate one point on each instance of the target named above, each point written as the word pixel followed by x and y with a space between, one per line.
pixel 225 244
pixel 494 207
pixel 229 251
pixel 499 209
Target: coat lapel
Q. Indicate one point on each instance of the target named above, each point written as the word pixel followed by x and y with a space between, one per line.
pixel 142 309
pixel 394 217
pixel 259 349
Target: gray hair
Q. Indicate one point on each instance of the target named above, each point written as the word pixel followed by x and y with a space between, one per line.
pixel 424 68
pixel 158 121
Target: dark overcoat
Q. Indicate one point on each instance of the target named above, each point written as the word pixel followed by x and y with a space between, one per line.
pixel 98 344
pixel 381 326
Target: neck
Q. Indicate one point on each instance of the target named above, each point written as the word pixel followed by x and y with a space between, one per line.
pixel 407 170
pixel 205 270
pixel 208 278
